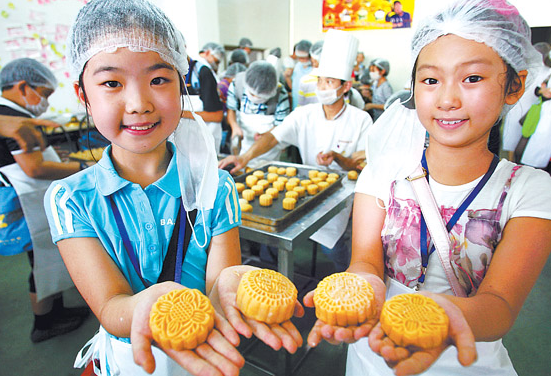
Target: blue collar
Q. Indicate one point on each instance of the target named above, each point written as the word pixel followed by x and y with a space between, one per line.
pixel 108 180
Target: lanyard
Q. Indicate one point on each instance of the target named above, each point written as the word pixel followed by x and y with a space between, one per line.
pixel 132 254
pixel 425 253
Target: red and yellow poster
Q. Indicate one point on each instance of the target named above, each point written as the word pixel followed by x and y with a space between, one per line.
pixel 367 14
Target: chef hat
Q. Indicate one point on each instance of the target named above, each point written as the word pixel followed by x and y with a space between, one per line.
pixel 338 55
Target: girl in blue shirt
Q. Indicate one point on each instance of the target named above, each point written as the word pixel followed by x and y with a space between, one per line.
pixel 113 223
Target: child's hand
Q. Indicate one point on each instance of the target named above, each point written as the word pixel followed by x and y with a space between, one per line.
pixel 338 334
pixel 412 361
pixel 284 335
pixel 217 356
pixel 236 161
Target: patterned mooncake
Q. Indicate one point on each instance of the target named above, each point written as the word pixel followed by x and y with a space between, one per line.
pixel 344 299
pixel 266 295
pixel 181 319
pixel 414 319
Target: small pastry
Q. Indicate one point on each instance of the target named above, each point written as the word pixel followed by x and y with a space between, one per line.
pixel 272 169
pixel 292 194
pixel 248 169
pixel 279 185
pixel 322 175
pixel 312 174
pixel 333 175
pixel 290 186
pixel 240 187
pixel 414 319
pixel 272 176
pixel 316 180
pixel 305 183
pixel 247 208
pixel 322 185
pixel 344 299
pixel 283 179
pixel 281 171
pixel 259 174
pixel 291 171
pixel 330 180
pixel 248 194
pixel 265 200
pixel 266 295
pixel 181 319
pixel 251 180
pixel 289 203
pixel 242 202
pixel 264 183
pixel 301 191
pixel 352 175
pixel 312 189
pixel 272 192
pixel 258 189
pixel 295 180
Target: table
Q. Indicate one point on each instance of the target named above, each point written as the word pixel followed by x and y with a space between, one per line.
pixel 294 234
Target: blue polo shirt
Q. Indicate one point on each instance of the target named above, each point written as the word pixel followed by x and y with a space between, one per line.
pixel 79 207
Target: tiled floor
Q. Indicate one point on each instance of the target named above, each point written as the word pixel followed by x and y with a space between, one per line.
pixel 529 342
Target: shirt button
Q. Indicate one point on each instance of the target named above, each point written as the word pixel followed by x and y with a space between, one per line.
pixel 152 247
pixel 149 226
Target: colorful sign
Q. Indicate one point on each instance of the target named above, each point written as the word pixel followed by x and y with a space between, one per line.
pixel 367 14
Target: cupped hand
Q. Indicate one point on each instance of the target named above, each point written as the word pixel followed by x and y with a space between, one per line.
pixel 224 296
pixel 215 357
pixel 238 162
pixel 324 159
pixel 413 360
pixel 350 334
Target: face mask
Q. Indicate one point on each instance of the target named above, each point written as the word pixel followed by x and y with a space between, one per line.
pixel 328 96
pixel 375 76
pixel 255 99
pixel 39 108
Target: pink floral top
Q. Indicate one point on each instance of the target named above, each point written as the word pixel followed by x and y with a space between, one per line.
pixel 474 239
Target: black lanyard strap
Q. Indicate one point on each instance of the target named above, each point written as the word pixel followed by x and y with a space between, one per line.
pixel 425 254
pixel 132 254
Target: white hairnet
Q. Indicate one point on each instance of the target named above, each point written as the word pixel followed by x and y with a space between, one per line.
pixel 302 48
pixel 315 50
pixel 396 140
pixel 215 49
pixel 28 70
pixel 239 56
pixel 234 69
pixel 105 25
pixel 261 79
pixel 245 42
pixel 381 64
pixel 496 23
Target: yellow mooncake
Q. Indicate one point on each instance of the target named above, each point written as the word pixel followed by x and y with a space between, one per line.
pixel 266 295
pixel 247 208
pixel 322 175
pixel 330 180
pixel 281 170
pixel 283 179
pixel 289 203
pixel 291 194
pixel 305 183
pixel 264 183
pixel 294 180
pixel 344 299
pixel 290 185
pixel 240 187
pixel 248 194
pixel 333 176
pixel 301 191
pixel 312 189
pixel 265 200
pixel 291 171
pixel 257 189
pixel 312 174
pixel 259 174
pixel 414 320
pixel 251 180
pixel 181 319
pixel 352 175
pixel 272 192
pixel 322 185
pixel 271 177
pixel 279 185
pixel 272 169
pixel 243 201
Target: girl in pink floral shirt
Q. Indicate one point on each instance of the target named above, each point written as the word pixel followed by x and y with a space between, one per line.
pixel 472 63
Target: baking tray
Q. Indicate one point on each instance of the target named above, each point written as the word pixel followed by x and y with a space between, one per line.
pixel 274 218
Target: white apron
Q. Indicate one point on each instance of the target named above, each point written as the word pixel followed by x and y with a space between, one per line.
pixel 118 357
pixel 194 103
pixel 538 148
pixel 492 356
pixel 252 124
pixel 50 273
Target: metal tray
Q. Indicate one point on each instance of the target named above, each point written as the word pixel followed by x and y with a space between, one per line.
pixel 274 218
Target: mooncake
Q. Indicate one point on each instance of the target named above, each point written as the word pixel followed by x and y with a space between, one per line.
pixel 251 180
pixel 248 194
pixel 322 175
pixel 344 299
pixel 291 194
pixel 330 180
pixel 290 185
pixel 247 208
pixel 266 295
pixel 316 180
pixel 279 185
pixel 291 171
pixel 289 203
pixel 259 174
pixel 333 176
pixel 322 185
pixel 181 319
pixel 264 183
pixel 281 170
pixel 352 175
pixel 240 187
pixel 294 180
pixel 305 183
pixel 312 174
pixel 414 320
pixel 283 179
pixel 312 189
pixel 272 169
pixel 265 200
pixel 300 190
pixel 271 177
pixel 243 201
pixel 272 192
pixel 257 189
